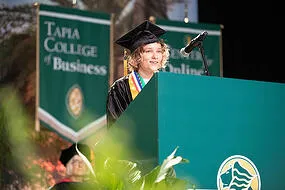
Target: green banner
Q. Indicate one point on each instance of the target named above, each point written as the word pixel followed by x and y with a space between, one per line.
pixel 179 34
pixel 73 70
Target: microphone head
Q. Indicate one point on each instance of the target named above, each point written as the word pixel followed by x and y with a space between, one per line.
pixel 201 36
pixel 205 33
pixel 183 53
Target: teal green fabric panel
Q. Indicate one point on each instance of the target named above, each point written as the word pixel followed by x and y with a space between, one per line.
pixel 212 118
pixel 179 34
pixel 140 121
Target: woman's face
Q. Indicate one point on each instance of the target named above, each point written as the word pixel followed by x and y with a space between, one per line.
pixel 77 166
pixel 151 58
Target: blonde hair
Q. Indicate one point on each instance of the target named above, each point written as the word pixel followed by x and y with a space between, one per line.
pixel 134 59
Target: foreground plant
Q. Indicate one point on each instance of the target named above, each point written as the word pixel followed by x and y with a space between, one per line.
pixel 125 175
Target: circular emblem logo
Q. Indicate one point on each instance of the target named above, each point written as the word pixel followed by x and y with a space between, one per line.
pixel 74 101
pixel 238 172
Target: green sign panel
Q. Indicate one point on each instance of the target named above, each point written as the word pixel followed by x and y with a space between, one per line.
pixel 179 34
pixel 73 70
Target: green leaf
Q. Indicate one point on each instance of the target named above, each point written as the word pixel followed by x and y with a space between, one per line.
pixel 167 165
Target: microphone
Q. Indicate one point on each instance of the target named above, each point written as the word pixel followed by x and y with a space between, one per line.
pixel 194 43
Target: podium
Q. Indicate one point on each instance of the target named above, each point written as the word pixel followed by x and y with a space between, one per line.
pixel 213 120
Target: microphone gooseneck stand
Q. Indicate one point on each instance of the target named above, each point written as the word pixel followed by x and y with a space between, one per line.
pixel 201 48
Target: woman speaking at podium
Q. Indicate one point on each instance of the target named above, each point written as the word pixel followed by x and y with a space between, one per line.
pixel 147 54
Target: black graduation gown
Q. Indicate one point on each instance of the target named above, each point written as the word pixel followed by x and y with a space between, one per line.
pixel 118 98
pixel 75 186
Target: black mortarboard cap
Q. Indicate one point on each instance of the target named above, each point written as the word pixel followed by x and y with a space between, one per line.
pixel 144 33
pixel 68 153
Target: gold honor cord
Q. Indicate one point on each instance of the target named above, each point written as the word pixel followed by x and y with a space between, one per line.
pixel 125 63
